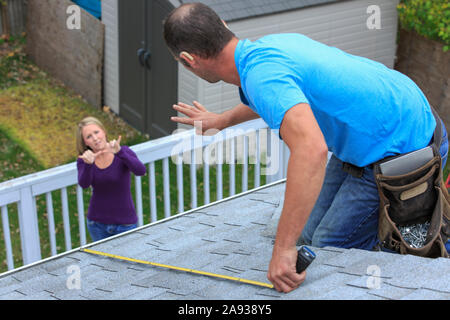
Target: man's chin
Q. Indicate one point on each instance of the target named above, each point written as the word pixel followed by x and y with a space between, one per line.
pixel 212 81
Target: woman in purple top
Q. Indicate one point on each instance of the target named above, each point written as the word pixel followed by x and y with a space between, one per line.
pixel 106 166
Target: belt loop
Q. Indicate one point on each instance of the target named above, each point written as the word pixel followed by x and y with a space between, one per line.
pixel 355 171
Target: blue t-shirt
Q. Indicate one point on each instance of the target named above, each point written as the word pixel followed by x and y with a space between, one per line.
pixel 365 110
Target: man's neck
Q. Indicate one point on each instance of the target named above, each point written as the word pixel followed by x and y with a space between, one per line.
pixel 226 66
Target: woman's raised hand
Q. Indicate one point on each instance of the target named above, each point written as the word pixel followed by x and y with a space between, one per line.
pixel 113 146
pixel 89 157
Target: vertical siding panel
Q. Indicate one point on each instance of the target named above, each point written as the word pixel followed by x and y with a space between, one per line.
pixel 111 56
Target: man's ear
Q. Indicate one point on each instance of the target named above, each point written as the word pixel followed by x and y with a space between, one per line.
pixel 187 55
pixel 225 24
pixel 186 59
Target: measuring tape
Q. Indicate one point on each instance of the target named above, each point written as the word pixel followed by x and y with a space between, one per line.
pixel 204 273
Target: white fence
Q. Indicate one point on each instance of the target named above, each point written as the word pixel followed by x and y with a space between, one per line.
pixel 181 148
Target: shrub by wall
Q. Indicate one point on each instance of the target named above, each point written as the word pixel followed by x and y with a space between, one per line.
pixel 429 18
pixel 423 50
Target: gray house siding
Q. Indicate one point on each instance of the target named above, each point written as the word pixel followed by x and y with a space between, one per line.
pixel 111 68
pixel 188 86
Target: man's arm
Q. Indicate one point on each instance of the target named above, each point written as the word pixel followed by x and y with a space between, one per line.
pixel 239 114
pixel 305 174
pixel 210 120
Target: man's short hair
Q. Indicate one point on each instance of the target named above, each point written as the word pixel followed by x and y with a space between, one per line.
pixel 197 29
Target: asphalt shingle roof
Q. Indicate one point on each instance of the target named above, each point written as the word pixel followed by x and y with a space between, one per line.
pixel 230 10
pixel 232 237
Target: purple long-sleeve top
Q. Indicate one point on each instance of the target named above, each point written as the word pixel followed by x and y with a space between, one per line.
pixel 111 201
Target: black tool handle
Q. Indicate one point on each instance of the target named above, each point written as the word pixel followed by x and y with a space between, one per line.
pixel 304 258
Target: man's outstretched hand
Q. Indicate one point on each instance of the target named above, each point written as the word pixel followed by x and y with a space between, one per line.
pixel 197 116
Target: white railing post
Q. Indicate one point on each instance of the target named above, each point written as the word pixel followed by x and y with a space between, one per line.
pixel 232 166
pixel 81 220
pixel 268 161
pixel 180 189
pixel 7 238
pixel 193 178
pixel 280 159
pixel 151 177
pixel 166 187
pixel 66 219
pixel 206 190
pixel 51 223
pixel 138 194
pixel 28 224
pixel 245 163
pixel 257 159
pixel 219 157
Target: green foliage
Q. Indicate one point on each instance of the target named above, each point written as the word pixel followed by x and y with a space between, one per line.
pixel 429 18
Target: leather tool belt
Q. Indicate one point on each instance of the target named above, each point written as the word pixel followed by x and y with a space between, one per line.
pixel 416 197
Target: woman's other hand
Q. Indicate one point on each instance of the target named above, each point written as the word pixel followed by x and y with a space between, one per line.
pixel 89 157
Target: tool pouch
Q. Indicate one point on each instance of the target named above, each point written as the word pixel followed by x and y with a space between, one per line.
pixel 415 197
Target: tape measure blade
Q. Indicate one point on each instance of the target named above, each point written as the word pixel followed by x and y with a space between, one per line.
pixel 205 273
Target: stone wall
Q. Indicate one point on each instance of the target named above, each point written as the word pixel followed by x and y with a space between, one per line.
pixel 425 62
pixel 74 56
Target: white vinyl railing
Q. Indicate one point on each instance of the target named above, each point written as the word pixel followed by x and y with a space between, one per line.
pixel 182 148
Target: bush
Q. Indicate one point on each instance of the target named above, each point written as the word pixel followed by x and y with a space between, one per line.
pixel 429 18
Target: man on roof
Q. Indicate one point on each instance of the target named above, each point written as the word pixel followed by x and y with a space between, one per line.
pixel 321 99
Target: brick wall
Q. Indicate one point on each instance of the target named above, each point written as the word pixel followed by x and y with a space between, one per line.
pixel 73 56
pixel 425 62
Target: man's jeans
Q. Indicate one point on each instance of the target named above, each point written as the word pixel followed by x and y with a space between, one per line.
pixel 346 212
pixel 100 231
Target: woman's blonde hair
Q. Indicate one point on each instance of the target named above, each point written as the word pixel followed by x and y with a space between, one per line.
pixel 81 146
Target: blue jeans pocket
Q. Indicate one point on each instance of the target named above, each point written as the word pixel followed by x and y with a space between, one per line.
pixel 99 231
pixel 124 227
